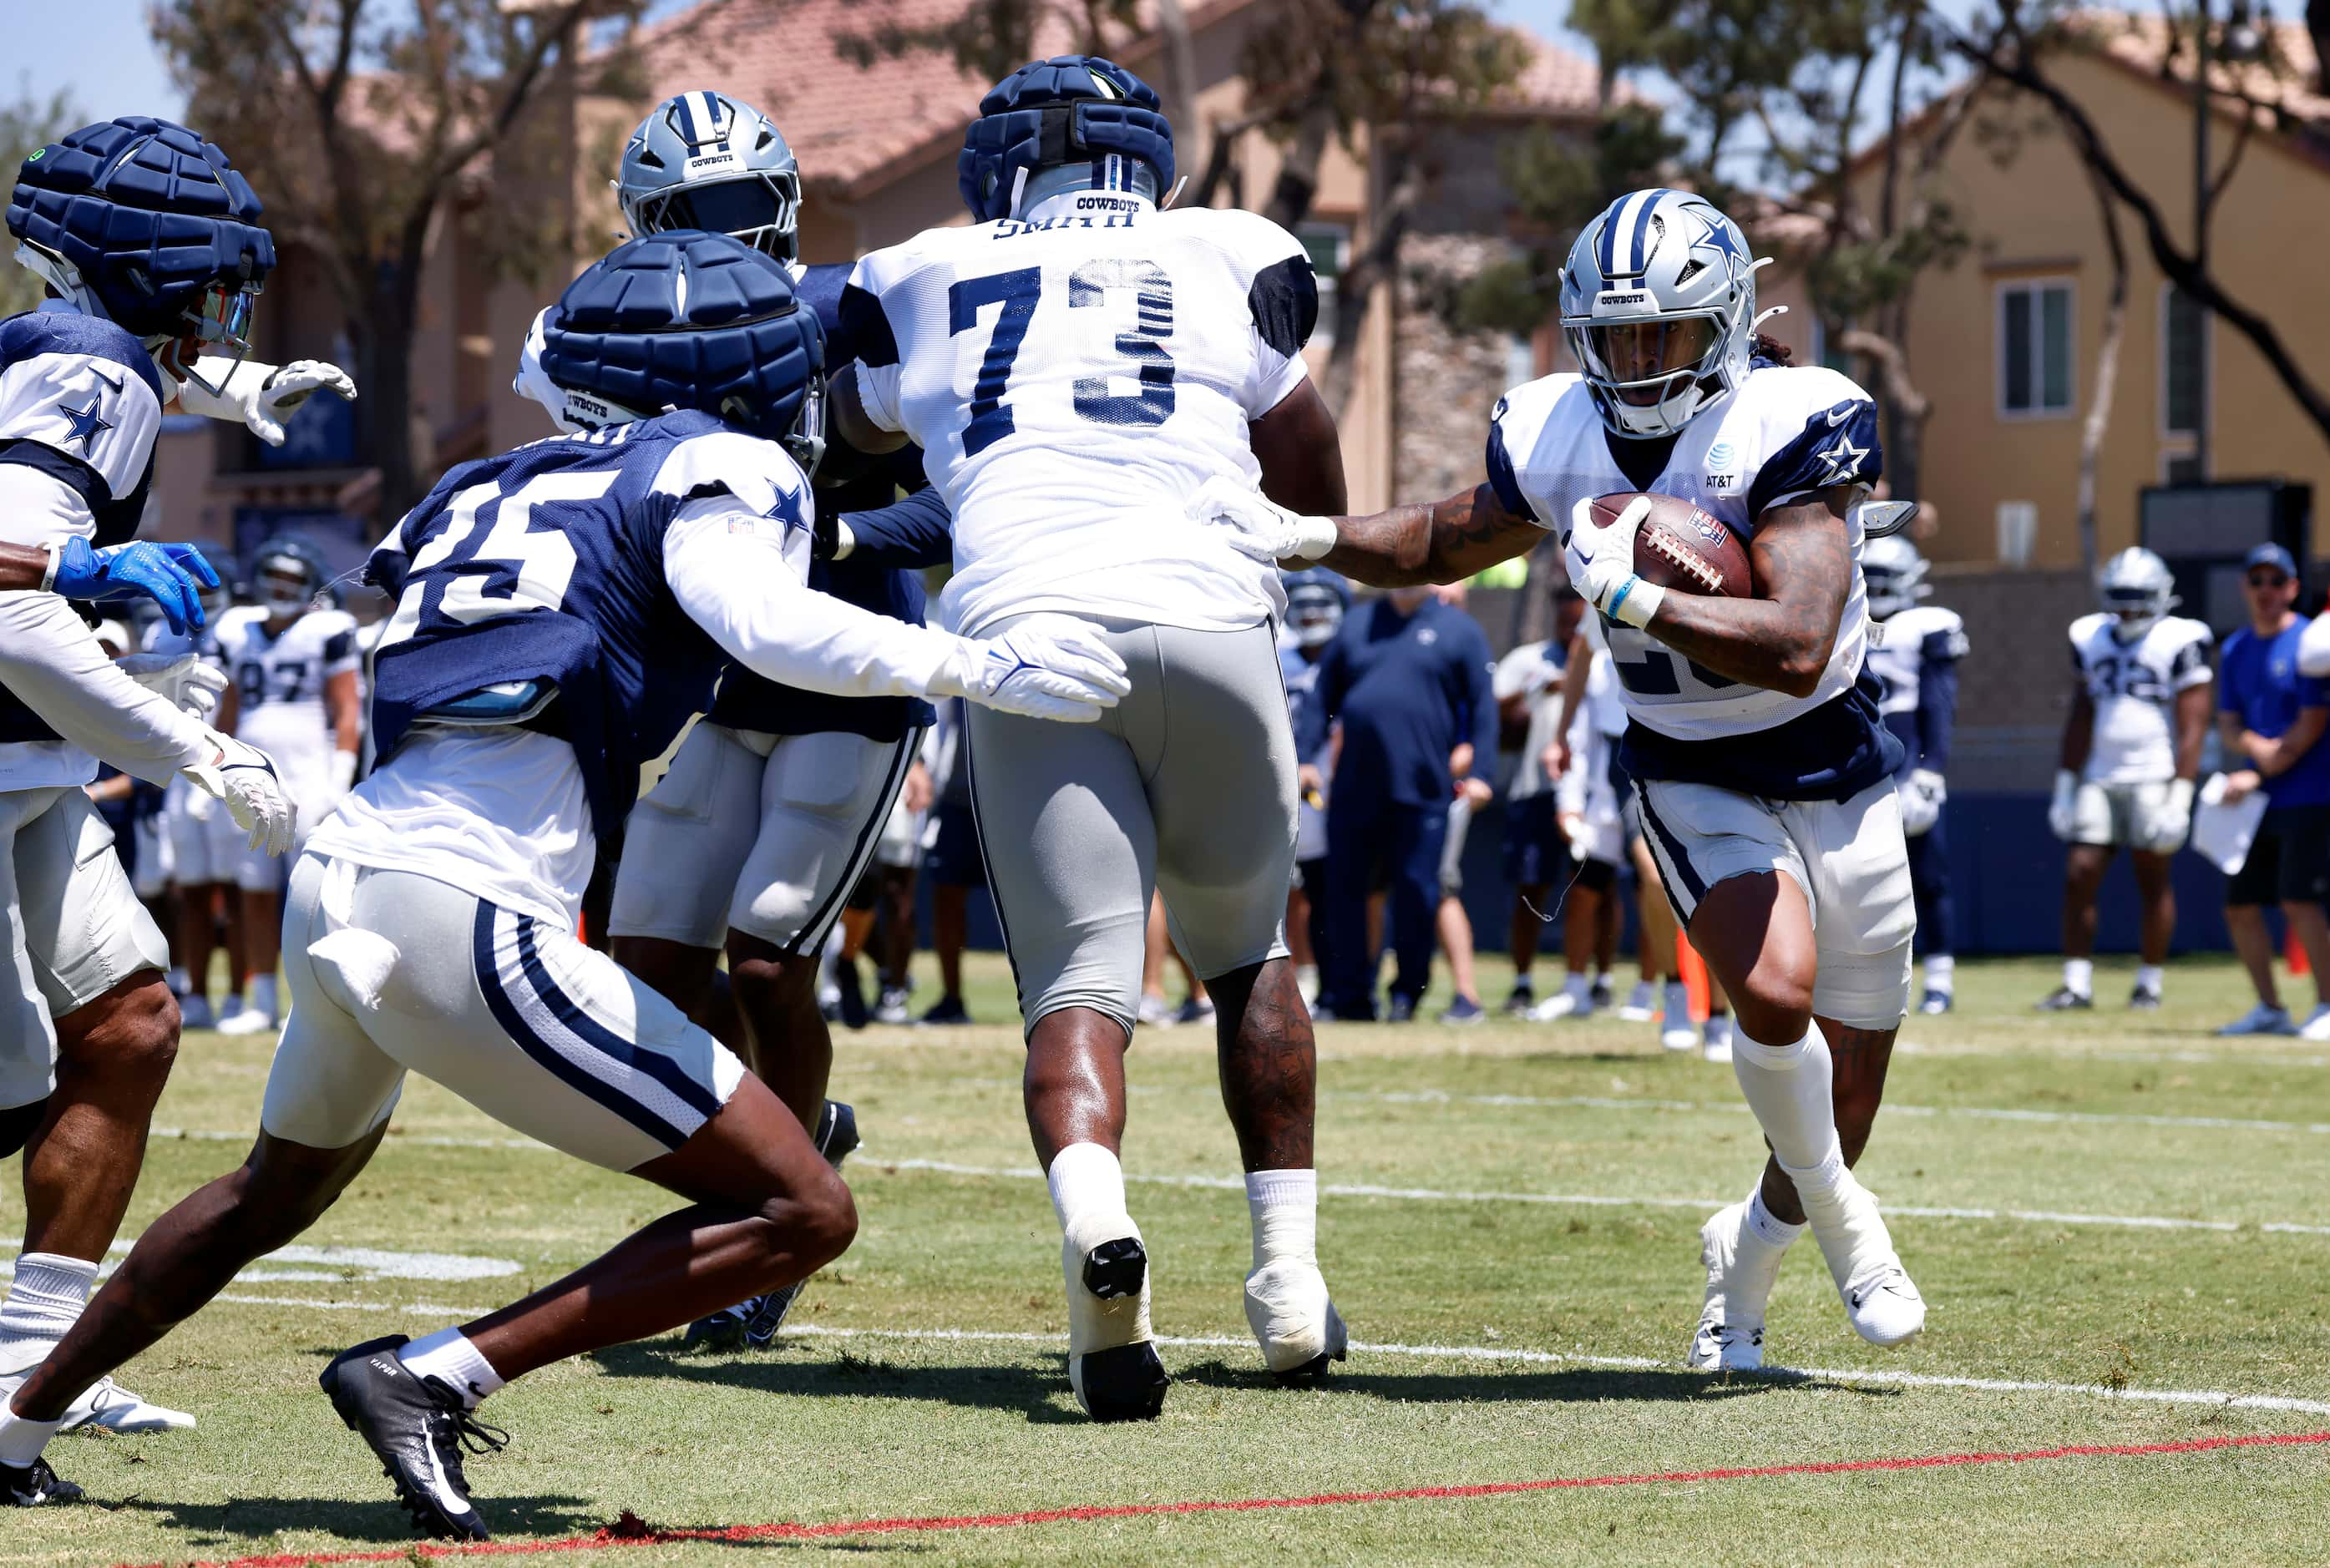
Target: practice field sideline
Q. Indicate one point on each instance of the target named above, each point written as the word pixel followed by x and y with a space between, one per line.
pixel 2118 1220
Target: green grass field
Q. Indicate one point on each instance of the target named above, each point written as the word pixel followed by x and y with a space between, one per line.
pixel 2100 1211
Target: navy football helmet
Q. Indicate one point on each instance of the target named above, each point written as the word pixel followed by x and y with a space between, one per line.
pixel 1090 118
pixel 289 575
pixel 1316 599
pixel 143 222
pixel 689 320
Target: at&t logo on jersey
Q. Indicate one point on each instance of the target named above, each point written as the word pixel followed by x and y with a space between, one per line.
pixel 1722 466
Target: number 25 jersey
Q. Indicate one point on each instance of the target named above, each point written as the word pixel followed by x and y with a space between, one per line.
pixel 1072 377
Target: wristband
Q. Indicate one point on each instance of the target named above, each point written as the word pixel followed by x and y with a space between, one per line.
pixel 844 540
pixel 56 550
pixel 1315 536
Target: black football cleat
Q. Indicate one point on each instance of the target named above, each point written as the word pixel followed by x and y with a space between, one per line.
pixel 34 1486
pixel 755 1324
pixel 1127 1383
pixel 419 1430
pixel 2145 999
pixel 2063 1000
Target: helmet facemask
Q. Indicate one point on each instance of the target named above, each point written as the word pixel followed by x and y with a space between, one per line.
pixel 761 209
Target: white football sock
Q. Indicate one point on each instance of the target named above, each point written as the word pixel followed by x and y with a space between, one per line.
pixel 1770 1227
pixel 261 993
pixel 1788 1089
pixel 449 1356
pixel 1677 1003
pixel 1085 1179
pixel 22 1441
pixel 1940 967
pixel 44 1300
pixel 1284 1205
pixel 2150 978
pixel 2079 975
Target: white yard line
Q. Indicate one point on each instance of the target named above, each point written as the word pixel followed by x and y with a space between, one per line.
pixel 1614 1201
pixel 1493 1353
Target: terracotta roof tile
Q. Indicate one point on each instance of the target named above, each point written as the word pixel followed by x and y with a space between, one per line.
pixel 849 122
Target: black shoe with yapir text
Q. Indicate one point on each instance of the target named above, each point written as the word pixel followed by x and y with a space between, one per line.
pixel 419 1429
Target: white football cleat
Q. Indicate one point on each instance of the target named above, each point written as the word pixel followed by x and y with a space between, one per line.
pixel 1562 1004
pixel 1294 1319
pixel 1676 1034
pixel 250 1021
pixel 106 1403
pixel 1113 1363
pixel 1879 1300
pixel 1715 1038
pixel 1741 1268
pixel 1642 1003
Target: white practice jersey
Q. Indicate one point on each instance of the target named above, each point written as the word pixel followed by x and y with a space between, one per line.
pixel 1907 645
pixel 1786 434
pixel 1072 377
pixel 80 403
pixel 279 681
pixel 1532 672
pixel 2134 688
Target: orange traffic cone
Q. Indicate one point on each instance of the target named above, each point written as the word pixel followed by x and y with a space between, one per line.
pixel 1693 969
pixel 2293 951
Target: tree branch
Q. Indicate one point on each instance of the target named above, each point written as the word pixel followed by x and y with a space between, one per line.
pixel 2017 71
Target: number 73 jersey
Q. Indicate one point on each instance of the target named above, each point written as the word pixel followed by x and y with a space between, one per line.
pixel 1073 377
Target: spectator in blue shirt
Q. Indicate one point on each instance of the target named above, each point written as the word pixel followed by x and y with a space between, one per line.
pixel 1316 602
pixel 2271 719
pixel 1409 677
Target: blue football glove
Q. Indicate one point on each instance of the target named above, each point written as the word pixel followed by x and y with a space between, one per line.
pixel 172 575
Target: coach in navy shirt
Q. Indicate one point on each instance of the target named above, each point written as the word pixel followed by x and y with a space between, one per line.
pixel 1408 678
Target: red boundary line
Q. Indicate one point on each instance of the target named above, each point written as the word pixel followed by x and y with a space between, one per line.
pixel 632 1533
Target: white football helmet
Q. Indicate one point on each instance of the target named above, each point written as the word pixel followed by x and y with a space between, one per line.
pixel 703 160
pixel 2137 586
pixel 1658 303
pixel 1894 574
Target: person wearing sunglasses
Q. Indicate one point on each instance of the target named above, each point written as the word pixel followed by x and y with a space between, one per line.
pixel 2270 716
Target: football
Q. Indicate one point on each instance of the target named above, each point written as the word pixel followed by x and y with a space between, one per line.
pixel 1681 547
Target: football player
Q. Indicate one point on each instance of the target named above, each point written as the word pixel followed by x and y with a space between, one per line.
pixel 1914 651
pixel 1761 767
pixel 2140 706
pixel 291 661
pixel 1527 687
pixel 774 804
pixel 1316 600
pixel 563 609
pixel 1073 364
pixel 149 247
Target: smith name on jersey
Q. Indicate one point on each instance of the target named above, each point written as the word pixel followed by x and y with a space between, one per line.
pixel 80 401
pixel 545 564
pixel 1914 654
pixel 2134 688
pixel 1035 358
pixel 1787 433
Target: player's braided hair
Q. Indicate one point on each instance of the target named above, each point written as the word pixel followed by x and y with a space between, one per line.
pixel 1772 348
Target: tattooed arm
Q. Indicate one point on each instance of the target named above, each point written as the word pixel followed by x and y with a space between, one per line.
pixel 1781 641
pixel 1442 542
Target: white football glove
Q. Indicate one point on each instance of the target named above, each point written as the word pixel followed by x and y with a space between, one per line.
pixel 2063 810
pixel 184 680
pixel 1259 526
pixel 2167 830
pixel 1922 794
pixel 261 396
pixel 244 778
pixel 1048 666
pixel 1609 582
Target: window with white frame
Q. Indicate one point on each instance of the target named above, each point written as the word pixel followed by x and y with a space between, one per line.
pixel 1329 245
pixel 2183 364
pixel 2036 349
